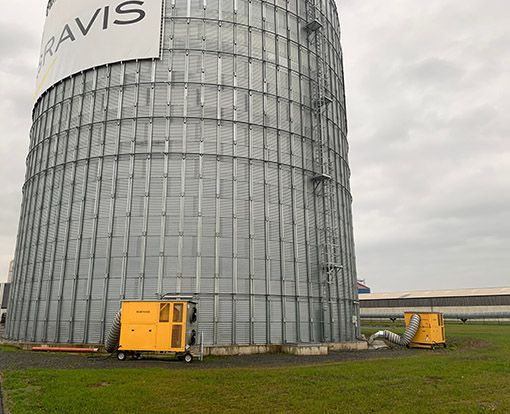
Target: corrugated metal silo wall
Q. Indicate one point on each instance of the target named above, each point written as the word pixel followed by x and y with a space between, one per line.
pixel 192 174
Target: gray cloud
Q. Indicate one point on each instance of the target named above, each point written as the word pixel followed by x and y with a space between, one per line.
pixel 19 46
pixel 428 96
pixel 16 40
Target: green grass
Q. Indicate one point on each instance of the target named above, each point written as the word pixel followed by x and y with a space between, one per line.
pixel 8 348
pixel 471 376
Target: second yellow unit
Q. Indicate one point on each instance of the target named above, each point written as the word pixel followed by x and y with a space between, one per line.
pixel 431 332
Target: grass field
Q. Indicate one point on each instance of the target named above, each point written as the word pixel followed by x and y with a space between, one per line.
pixel 7 348
pixel 471 376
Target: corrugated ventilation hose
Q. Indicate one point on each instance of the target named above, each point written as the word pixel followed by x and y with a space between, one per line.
pixel 403 340
pixel 112 340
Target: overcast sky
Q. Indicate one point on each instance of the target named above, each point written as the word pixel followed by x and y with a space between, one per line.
pixel 428 95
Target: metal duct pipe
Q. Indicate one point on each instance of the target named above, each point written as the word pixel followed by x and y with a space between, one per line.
pixel 112 340
pixel 403 340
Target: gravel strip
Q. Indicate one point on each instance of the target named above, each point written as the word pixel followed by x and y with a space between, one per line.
pixel 46 360
pixel 27 359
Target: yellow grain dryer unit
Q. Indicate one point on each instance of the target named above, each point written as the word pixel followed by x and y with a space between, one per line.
pixel 431 333
pixel 157 326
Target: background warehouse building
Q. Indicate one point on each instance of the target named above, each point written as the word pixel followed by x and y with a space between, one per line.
pixel 464 304
pixel 210 160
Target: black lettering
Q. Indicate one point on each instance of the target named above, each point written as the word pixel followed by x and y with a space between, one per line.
pixel 67 33
pixel 120 9
pixel 85 30
pixel 106 17
pixel 48 49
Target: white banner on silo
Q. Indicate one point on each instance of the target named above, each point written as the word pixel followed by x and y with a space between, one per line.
pixel 81 34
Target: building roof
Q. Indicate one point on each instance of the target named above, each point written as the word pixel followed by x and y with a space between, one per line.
pixel 438 293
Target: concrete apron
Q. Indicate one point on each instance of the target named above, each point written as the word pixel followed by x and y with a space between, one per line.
pixel 230 350
pixel 293 349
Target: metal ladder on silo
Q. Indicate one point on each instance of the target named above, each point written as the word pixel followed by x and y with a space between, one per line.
pixel 324 184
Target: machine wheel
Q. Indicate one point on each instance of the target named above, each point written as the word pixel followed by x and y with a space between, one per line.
pixel 188 358
pixel 121 356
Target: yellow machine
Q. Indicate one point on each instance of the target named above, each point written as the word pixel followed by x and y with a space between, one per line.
pixel 431 333
pixel 157 326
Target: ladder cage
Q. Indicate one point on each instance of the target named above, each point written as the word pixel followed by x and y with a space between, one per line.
pixel 325 186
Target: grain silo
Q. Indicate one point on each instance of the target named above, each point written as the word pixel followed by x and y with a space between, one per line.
pixel 193 148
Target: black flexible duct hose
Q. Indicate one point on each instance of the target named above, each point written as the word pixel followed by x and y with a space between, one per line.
pixel 112 340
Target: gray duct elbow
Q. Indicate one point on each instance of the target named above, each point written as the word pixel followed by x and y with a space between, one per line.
pixel 405 339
